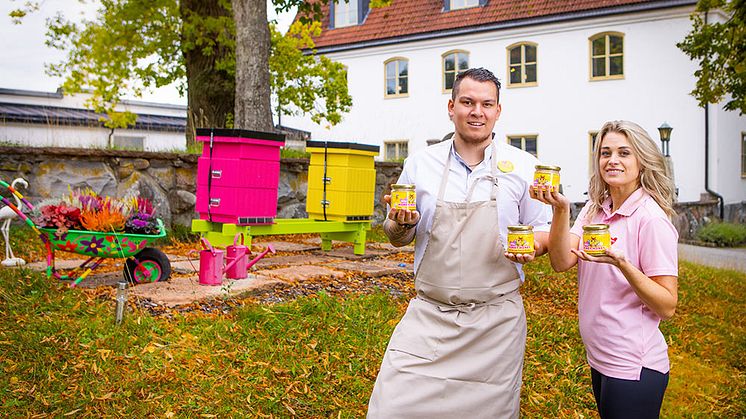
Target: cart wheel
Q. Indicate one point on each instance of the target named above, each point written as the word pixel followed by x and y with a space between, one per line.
pixel 148 265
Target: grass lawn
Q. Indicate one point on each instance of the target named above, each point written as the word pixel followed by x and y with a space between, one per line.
pixel 318 355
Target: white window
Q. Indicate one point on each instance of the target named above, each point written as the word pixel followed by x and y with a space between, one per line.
pixel 395 150
pixel 463 4
pixel 454 63
pixel 396 74
pixel 522 64
pixel 345 13
pixel 526 143
pixel 607 56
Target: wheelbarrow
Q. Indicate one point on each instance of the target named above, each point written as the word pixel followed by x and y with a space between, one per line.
pixel 142 264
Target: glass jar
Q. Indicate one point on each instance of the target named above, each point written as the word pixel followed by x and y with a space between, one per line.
pixel 520 239
pixel 403 196
pixel 596 239
pixel 547 176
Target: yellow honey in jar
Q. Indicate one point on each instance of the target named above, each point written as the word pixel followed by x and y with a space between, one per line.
pixel 546 176
pixel 596 239
pixel 403 196
pixel 520 239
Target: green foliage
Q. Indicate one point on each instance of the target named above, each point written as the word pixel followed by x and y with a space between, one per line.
pixel 291 153
pixel 719 48
pixel 723 234
pixel 313 84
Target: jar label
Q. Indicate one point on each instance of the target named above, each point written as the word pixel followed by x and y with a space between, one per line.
pixel 520 243
pixel 402 199
pixel 542 178
pixel 596 243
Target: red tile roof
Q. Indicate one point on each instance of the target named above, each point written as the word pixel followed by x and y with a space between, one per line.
pixel 411 17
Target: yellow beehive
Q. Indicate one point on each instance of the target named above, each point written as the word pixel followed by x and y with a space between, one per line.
pixel 347 191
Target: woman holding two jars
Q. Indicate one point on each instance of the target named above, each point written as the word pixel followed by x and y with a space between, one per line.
pixel 628 288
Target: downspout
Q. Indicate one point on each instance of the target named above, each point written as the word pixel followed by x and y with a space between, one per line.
pixel 111 142
pixel 721 201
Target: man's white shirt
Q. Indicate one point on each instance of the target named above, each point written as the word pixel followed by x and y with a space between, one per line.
pixel 515 206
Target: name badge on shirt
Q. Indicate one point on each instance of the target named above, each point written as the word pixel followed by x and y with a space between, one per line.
pixel 505 166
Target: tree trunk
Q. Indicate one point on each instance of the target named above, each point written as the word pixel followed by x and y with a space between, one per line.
pixel 252 66
pixel 210 92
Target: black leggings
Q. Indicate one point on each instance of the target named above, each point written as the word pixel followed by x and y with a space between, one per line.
pixel 618 398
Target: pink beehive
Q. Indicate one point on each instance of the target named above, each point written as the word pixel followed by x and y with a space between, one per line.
pixel 237 176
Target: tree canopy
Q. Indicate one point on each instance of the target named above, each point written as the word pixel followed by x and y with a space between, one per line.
pixel 134 45
pixel 720 49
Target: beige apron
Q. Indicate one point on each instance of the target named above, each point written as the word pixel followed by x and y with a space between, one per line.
pixel 458 350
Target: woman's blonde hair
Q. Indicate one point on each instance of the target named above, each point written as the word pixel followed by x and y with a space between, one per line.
pixel 654 175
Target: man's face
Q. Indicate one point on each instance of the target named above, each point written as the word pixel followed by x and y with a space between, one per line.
pixel 475 110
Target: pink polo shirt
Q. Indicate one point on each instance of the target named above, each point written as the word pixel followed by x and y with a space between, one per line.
pixel 620 333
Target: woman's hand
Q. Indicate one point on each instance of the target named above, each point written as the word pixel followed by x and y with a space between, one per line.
pixel 521 258
pixel 549 195
pixel 613 257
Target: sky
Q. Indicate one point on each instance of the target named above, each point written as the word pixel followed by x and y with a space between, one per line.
pixel 22 65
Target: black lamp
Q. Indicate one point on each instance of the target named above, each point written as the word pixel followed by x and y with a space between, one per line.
pixel 665 133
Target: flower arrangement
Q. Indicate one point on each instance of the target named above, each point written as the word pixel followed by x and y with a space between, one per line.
pixel 86 210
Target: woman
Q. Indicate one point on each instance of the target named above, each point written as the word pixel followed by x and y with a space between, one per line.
pixel 625 293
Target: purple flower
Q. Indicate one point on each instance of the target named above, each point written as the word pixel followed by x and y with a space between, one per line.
pixel 93 244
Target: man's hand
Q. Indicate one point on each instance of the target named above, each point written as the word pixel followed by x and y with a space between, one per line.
pixel 403 217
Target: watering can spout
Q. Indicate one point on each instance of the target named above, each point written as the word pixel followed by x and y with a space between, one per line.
pixel 269 248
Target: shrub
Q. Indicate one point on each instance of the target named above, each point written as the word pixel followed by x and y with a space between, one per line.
pixel 723 234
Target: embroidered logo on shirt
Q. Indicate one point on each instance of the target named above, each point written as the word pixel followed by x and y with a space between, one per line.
pixel 505 166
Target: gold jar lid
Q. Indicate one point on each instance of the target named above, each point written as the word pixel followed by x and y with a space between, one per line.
pixel 402 186
pixel 595 227
pixel 520 228
pixel 552 168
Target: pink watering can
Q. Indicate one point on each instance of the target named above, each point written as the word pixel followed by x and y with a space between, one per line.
pixel 210 264
pixel 237 257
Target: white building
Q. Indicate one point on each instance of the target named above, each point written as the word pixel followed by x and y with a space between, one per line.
pixel 43 119
pixel 574 65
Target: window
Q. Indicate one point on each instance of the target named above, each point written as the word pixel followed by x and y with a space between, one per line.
pixel 126 142
pixel 396 72
pixel 462 4
pixel 345 13
pixel 591 143
pixel 526 143
pixel 743 154
pixel 607 56
pixel 522 65
pixel 395 150
pixel 454 63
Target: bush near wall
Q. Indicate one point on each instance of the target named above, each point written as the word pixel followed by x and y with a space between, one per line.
pixel 723 234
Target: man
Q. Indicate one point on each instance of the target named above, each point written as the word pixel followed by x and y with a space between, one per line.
pixel 458 350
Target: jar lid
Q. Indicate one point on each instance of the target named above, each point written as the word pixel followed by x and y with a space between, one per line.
pixel 596 227
pixel 402 186
pixel 521 228
pixel 542 167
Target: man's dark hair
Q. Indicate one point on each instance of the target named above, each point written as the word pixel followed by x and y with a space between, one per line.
pixel 476 74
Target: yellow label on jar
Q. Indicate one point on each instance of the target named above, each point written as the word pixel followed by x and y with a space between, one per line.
pixel 596 243
pixel 404 199
pixel 521 242
pixel 546 178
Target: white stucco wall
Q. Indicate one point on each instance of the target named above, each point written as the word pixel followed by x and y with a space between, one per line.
pixel 563 108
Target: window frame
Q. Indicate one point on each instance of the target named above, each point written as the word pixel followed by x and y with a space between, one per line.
pixel 386 95
pixel 607 56
pixel 450 5
pixel 397 144
pixel 522 44
pixel 347 5
pixel 523 137
pixel 456 70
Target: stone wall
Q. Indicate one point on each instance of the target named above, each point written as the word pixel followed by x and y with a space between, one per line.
pixel 168 179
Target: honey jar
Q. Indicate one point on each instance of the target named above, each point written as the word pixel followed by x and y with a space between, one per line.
pixel 547 176
pixel 520 239
pixel 596 239
pixel 403 196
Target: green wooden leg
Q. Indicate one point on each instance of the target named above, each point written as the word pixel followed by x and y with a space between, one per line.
pixel 326 241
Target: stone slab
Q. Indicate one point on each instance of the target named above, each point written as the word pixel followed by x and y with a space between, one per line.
pixel 373 268
pixel 300 273
pixel 307 259
pixel 349 253
pixel 282 246
pixel 390 247
pixel 186 290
